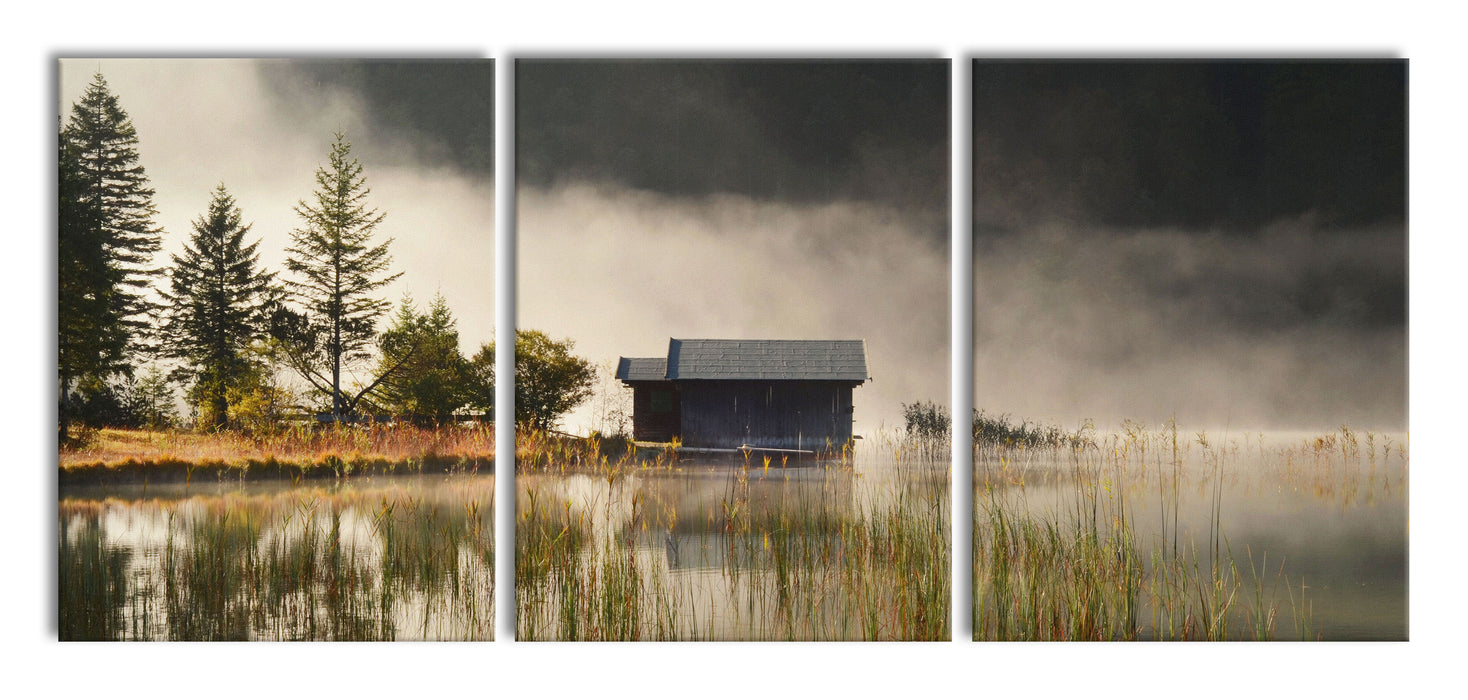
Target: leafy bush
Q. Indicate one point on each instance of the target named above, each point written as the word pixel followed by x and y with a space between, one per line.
pixel 926 420
pixel 998 430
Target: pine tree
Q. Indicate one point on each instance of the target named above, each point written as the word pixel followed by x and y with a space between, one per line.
pixel 106 238
pixel 83 309
pixel 337 270
pixel 426 376
pixel 215 311
pixel 152 400
pixel 115 186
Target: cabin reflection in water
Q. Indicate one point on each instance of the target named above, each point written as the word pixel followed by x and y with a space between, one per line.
pixel 677 518
pixel 780 394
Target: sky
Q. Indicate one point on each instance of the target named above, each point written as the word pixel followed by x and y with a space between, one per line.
pixel 423 132
pixel 739 199
pixel 1223 243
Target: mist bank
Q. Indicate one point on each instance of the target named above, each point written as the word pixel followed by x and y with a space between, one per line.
pixel 621 270
pixel 1290 326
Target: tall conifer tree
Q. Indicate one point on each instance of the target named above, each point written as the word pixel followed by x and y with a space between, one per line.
pixel 216 302
pixel 337 268
pixel 83 348
pixel 107 239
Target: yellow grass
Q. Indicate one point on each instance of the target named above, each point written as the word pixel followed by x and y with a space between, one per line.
pixel 393 443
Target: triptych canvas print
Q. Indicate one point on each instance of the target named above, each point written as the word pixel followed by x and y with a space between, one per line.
pixel 279 393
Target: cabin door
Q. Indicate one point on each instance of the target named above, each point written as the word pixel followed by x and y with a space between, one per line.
pixel 667 413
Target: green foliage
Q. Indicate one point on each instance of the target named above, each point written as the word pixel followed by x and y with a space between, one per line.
pixel 216 308
pixel 258 405
pixel 997 430
pixel 94 402
pixel 926 420
pixel 86 343
pixel 152 400
pixel 549 380
pixel 479 389
pixel 426 376
pixel 144 401
pixel 255 401
pixel 336 270
pixel 106 240
pixel 114 187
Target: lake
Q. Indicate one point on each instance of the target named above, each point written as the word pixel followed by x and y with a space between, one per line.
pixel 1265 536
pixel 735 549
pixel 368 558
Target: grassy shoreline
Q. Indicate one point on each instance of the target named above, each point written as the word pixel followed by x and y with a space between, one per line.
pixel 137 456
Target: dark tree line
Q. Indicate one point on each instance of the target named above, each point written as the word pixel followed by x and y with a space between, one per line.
pixel 231 327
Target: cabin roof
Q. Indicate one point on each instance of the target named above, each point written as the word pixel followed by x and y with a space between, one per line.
pixel 830 360
pixel 642 369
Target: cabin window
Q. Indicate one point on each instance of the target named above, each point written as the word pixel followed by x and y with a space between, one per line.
pixel 662 401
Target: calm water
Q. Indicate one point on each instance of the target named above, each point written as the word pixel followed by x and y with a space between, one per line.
pixel 1324 518
pixel 368 558
pixel 721 550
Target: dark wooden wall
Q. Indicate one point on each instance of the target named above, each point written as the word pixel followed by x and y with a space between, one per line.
pixel 655 421
pixel 781 414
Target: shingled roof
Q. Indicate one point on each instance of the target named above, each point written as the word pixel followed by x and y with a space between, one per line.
pixel 833 360
pixel 642 369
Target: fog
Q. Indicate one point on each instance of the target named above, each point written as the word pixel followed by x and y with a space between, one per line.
pixel 1144 248
pixel 739 199
pixel 1214 330
pixel 620 271
pixel 1219 242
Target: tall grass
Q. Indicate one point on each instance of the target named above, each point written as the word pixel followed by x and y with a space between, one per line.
pixel 343 444
pixel 823 558
pixel 93 583
pixel 303 564
pixel 1071 565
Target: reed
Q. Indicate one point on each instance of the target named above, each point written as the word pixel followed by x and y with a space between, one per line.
pixel 1073 566
pixel 820 558
pixel 303 564
pixel 93 582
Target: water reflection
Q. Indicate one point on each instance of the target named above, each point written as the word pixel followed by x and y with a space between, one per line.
pixel 1287 536
pixel 375 558
pixel 736 550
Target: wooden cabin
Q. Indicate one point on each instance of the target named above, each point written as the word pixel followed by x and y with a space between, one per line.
pixel 784 394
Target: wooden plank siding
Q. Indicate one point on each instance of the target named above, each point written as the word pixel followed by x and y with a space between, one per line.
pixel 779 394
pixel 655 411
pixel 784 414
